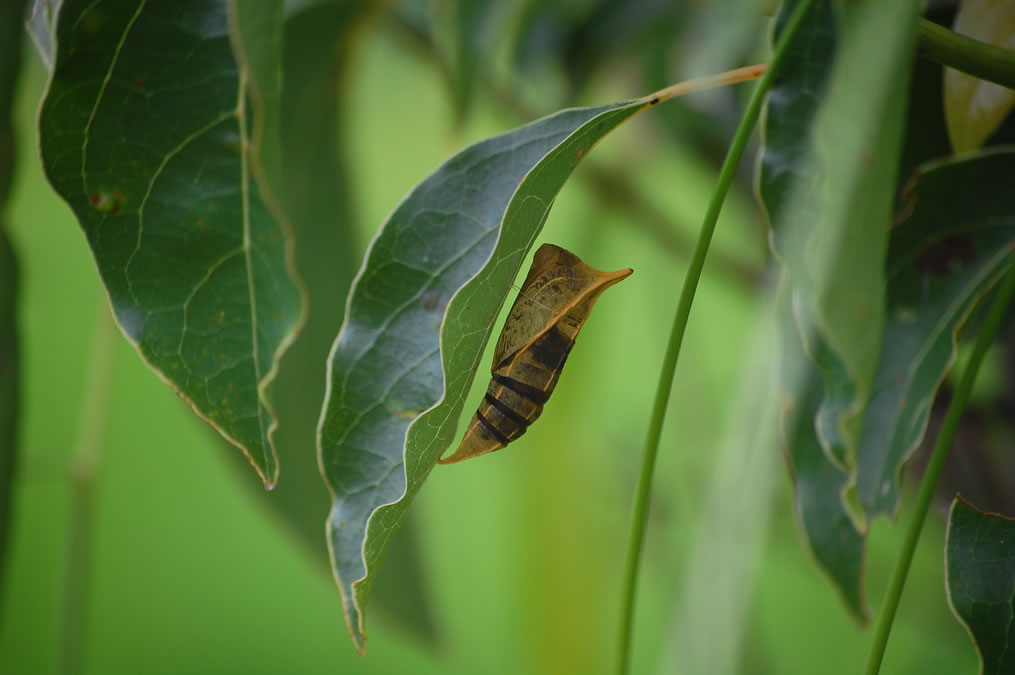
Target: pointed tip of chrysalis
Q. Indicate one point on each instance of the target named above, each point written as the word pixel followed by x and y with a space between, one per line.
pixel 475 443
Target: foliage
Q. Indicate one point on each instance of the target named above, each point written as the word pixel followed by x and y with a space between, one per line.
pixel 205 150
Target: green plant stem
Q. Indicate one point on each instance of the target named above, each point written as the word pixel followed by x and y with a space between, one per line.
pixel 982 60
pixel 639 514
pixel 611 188
pixel 930 477
pixel 84 462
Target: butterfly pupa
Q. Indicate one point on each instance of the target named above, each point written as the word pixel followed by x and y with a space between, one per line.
pixel 538 334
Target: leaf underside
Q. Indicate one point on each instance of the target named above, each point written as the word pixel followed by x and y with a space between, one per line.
pixel 942 260
pixel 953 246
pixel 420 313
pixel 980 581
pixel 865 408
pixel 156 165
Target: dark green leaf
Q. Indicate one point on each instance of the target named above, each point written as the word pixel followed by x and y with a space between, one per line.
pixel 316 196
pixel 420 313
pixel 315 191
pixel 834 541
pixel 980 581
pixel 953 245
pixel 145 131
pixel 793 103
pixel 830 199
pixel 942 260
pixel 827 180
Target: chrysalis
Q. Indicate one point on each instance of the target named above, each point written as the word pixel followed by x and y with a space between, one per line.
pixel 538 334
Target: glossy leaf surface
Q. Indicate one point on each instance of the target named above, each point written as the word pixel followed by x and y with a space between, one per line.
pixel 980 581
pixel 420 313
pixel 193 260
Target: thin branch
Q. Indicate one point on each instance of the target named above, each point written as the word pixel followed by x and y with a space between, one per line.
pixel 982 60
pixel 639 514
pixel 933 471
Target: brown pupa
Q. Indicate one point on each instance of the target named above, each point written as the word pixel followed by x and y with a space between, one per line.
pixel 538 334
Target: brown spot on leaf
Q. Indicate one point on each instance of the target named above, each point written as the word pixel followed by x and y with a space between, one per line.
pixel 939 258
pixel 107 201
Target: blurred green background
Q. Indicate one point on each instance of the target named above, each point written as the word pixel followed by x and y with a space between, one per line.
pixel 521 552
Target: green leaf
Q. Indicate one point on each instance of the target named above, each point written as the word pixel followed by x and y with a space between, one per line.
pixel 145 132
pixel 315 192
pixel 980 581
pixel 11 14
pixel 974 108
pixel 420 313
pixel 943 258
pixel 830 200
pixel 784 168
pixel 829 533
pixel 316 47
pixel 952 247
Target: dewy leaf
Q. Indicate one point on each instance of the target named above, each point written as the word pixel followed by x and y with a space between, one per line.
pixel 831 227
pixel 980 581
pixel 145 131
pixel 829 533
pixel 973 107
pixel 419 315
pixel 953 246
pixel 10 53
